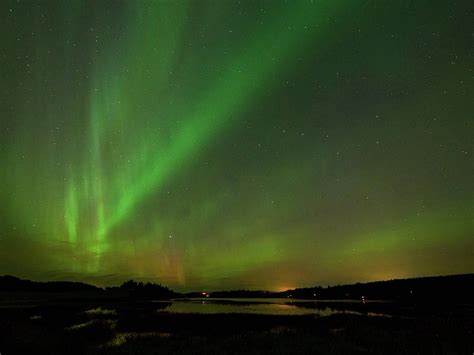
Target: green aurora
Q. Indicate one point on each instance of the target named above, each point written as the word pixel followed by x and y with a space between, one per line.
pixel 236 144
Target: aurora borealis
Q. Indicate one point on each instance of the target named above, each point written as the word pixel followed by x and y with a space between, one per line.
pixel 236 144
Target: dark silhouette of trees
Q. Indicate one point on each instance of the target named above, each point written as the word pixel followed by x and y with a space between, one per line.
pixel 454 288
pixel 136 290
pixel 11 284
pixel 148 290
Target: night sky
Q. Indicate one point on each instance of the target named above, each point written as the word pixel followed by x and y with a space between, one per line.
pixel 236 144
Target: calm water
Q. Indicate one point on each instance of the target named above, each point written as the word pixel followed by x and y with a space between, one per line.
pixel 253 306
pixel 273 306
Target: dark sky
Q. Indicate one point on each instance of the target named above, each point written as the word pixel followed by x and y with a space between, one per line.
pixel 236 144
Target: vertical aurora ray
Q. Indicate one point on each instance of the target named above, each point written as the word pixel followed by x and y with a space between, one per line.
pixel 238 84
pixel 71 213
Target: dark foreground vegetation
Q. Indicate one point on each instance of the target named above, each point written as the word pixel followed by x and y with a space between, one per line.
pixel 423 316
pixel 72 328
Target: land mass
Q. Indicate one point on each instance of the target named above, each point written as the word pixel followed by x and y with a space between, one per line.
pixel 452 288
pixel 430 315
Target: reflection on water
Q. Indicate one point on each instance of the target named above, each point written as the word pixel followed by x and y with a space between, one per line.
pixel 271 306
pixel 252 306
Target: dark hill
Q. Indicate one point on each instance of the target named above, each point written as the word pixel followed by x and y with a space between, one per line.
pixel 459 288
pixel 13 284
pixel 453 288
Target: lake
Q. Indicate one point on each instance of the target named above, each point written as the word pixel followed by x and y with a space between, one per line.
pixel 269 306
pixel 273 306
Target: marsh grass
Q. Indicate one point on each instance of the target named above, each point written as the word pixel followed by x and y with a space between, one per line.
pixel 139 329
